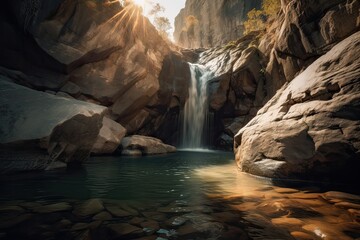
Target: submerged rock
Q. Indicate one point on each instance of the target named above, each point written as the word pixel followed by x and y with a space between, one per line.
pixel 51 208
pixel 125 230
pixel 89 208
pixel 136 144
pixel 311 126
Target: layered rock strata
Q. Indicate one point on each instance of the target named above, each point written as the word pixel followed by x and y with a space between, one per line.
pixel 311 126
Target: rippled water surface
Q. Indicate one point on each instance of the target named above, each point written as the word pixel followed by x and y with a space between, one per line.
pixel 166 177
pixel 186 195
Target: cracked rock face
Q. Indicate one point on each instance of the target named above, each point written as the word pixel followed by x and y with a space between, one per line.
pixel 217 22
pixel 96 52
pixel 311 127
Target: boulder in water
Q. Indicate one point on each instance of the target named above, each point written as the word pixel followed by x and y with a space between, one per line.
pixel 145 145
pixel 109 137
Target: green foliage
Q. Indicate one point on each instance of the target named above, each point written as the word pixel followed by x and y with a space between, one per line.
pixel 230 44
pixel 257 19
pixel 271 7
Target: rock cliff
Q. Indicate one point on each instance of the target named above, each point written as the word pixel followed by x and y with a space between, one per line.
pixel 248 72
pixel 94 51
pixel 98 52
pixel 207 23
pixel 298 124
pixel 311 126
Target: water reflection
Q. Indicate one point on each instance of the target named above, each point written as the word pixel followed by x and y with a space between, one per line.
pixel 305 212
pixel 204 188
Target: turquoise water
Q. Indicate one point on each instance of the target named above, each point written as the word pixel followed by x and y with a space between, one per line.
pixel 164 177
pixel 204 188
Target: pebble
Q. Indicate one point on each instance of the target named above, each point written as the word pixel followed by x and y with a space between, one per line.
pixel 79 226
pixel 11 209
pixel 103 216
pixel 347 205
pixel 51 208
pixel 160 217
pixel 176 221
pixel 286 190
pixel 10 222
pixel 287 222
pixel 136 221
pixel 336 197
pixel 226 217
pixel 301 235
pixel 89 208
pixel 125 230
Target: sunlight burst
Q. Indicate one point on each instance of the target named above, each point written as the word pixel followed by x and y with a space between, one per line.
pixel 140 3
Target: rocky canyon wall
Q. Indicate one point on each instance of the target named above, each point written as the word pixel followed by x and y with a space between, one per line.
pixel 208 23
pixel 248 72
pixel 97 52
pixel 309 127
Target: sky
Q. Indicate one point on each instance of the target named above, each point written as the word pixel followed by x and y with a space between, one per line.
pixel 172 8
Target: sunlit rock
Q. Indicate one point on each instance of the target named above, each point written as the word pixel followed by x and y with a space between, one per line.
pixel 135 144
pixel 204 23
pixel 304 129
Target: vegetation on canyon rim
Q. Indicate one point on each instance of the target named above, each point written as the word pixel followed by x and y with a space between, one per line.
pixel 258 19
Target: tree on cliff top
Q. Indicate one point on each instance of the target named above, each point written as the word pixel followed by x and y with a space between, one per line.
pixel 161 23
pixel 257 19
pixel 163 26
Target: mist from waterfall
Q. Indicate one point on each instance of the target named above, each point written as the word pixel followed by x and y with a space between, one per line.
pixel 196 120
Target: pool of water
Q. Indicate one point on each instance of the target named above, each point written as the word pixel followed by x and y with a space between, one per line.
pixel 164 177
pixel 186 195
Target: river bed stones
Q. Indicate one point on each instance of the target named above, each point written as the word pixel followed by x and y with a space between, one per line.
pixel 229 218
pixel 51 208
pixel 88 208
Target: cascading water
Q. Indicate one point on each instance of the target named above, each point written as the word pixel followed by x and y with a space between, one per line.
pixel 196 112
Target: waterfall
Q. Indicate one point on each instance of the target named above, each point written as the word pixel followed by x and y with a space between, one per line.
pixel 196 119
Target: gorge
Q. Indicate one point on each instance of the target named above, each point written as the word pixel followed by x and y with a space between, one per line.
pixel 108 130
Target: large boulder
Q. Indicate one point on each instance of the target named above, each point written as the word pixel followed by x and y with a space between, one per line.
pixel 143 145
pixel 37 129
pixel 95 51
pixel 311 127
pixel 109 138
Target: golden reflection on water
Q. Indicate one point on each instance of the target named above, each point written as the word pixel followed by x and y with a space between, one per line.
pixel 306 214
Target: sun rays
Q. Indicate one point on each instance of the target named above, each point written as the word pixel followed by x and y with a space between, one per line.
pixel 130 16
